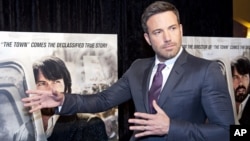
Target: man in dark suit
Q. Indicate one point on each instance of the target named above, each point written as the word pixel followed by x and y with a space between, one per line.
pixel 241 83
pixel 193 105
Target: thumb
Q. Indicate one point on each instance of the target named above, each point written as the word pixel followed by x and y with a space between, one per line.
pixel 58 96
pixel 157 107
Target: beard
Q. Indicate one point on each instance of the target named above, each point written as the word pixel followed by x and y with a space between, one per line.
pixel 48 111
pixel 240 94
pixel 163 56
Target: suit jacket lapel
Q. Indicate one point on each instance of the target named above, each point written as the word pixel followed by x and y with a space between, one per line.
pixel 245 115
pixel 173 79
pixel 145 85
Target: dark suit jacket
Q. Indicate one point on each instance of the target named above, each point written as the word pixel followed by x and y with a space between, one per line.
pixel 195 91
pixel 73 128
pixel 245 117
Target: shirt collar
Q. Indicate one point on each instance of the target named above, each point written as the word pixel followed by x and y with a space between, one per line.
pixel 51 124
pixel 243 103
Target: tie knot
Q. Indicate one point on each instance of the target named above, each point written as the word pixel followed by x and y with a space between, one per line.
pixel 161 67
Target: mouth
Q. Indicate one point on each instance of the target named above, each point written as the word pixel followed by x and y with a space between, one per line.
pixel 169 46
pixel 241 91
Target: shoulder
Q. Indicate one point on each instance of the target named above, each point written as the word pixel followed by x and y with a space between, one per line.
pixel 143 61
pixel 198 61
pixel 139 66
pixel 197 64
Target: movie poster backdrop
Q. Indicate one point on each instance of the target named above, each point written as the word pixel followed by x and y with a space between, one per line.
pixel 221 49
pixel 92 62
pixel 90 58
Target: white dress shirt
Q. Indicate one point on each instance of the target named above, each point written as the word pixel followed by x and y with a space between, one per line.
pixel 166 71
pixel 51 124
pixel 241 107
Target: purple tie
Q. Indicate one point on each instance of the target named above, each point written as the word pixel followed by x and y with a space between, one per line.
pixel 155 89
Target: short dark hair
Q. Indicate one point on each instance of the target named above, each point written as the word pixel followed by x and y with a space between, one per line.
pixel 241 64
pixel 155 8
pixel 53 68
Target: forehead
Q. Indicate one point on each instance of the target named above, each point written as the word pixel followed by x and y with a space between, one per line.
pixel 40 75
pixel 163 18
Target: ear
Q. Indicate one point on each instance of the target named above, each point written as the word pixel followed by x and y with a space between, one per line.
pixel 146 36
pixel 181 29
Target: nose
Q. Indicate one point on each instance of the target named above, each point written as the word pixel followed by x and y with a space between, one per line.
pixel 50 85
pixel 240 83
pixel 241 79
pixel 166 36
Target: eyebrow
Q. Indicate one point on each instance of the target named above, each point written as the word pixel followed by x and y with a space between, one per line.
pixel 173 25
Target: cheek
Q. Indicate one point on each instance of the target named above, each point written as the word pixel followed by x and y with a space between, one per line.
pixel 235 84
pixel 59 88
pixel 245 81
pixel 246 84
pixel 42 88
pixel 157 43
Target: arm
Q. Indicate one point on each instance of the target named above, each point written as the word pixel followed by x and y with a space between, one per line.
pixel 69 104
pixel 109 98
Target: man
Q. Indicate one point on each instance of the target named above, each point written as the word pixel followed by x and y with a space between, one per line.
pixel 241 71
pixel 194 102
pixel 51 73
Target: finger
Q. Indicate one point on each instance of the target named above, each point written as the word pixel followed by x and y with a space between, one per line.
pixel 35 108
pixel 30 104
pixel 138 128
pixel 141 128
pixel 157 107
pixel 31 98
pixel 137 121
pixel 32 92
pixel 38 92
pixel 30 101
pixel 142 134
pixel 27 99
pixel 55 93
pixel 143 115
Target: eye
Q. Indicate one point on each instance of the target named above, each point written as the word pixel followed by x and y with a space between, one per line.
pixel 157 32
pixel 41 84
pixel 245 76
pixel 172 28
pixel 56 81
pixel 241 77
pixel 236 77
